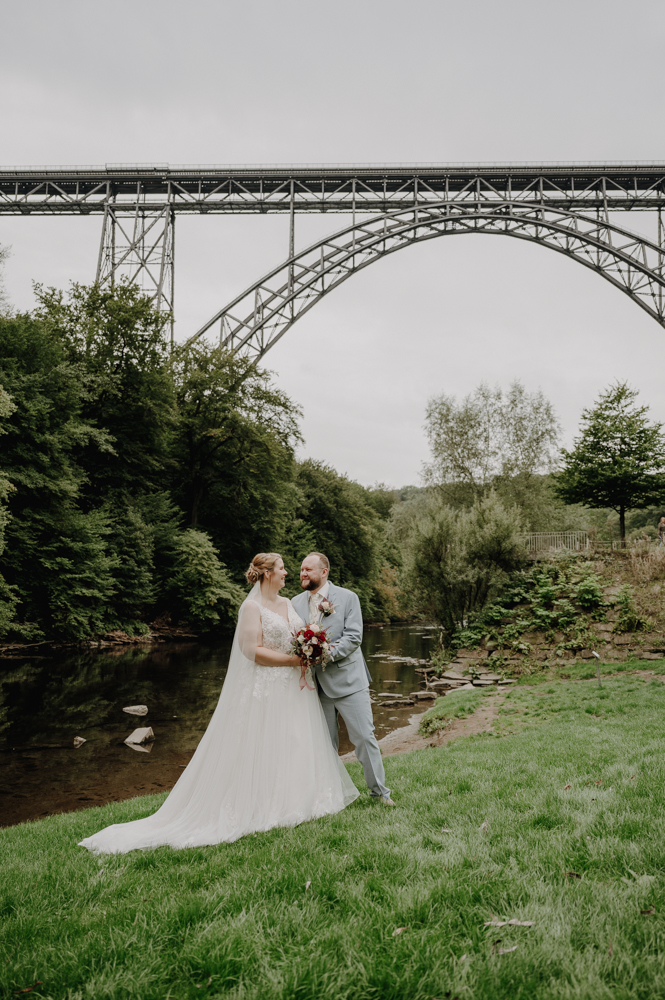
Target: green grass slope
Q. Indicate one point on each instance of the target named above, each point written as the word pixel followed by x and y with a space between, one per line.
pixel 577 788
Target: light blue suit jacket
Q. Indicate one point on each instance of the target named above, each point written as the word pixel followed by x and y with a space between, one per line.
pixel 347 672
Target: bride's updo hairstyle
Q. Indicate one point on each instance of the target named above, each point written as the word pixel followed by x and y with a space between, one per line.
pixel 260 564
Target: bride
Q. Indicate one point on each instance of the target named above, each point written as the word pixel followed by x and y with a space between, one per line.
pixel 266 759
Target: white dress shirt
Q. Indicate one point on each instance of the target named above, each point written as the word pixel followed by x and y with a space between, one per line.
pixel 314 601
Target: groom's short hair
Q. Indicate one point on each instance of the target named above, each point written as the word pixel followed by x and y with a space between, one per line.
pixel 325 562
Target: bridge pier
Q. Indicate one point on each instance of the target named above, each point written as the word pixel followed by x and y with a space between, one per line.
pixel 139 247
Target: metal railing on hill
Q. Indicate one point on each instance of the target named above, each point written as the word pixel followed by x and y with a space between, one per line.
pixel 545 541
pixel 630 543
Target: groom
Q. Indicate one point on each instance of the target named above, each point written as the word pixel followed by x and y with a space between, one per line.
pixel 344 683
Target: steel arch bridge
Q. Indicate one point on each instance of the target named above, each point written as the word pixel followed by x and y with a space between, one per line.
pixel 262 314
pixel 570 208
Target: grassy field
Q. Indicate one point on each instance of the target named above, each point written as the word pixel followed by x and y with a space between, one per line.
pixel 557 819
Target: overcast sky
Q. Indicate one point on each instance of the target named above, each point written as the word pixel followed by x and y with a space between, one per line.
pixel 362 81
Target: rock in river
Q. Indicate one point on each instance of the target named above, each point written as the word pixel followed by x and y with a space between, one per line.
pixel 140 736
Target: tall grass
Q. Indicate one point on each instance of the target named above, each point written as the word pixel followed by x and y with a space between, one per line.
pixel 578 788
pixel 646 564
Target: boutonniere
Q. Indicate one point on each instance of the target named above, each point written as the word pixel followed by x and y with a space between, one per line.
pixel 326 607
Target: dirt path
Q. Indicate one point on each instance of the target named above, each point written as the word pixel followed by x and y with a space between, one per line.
pixel 647 675
pixel 407 738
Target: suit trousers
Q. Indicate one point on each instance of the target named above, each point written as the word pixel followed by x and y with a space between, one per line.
pixel 356 710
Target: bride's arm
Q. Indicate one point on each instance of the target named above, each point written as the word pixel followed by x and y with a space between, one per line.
pixel 265 657
pixel 250 640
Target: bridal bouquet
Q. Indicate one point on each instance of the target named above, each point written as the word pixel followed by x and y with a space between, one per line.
pixel 312 645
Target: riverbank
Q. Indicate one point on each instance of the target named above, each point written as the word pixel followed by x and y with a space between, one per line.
pixel 158 632
pixel 558 828
pixel 408 738
pixel 167 633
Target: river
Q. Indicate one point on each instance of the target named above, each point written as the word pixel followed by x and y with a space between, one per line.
pixel 47 701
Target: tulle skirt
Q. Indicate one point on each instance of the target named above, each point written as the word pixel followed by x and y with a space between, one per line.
pixel 266 760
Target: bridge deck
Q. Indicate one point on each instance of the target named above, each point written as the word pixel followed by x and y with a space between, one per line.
pixel 83 190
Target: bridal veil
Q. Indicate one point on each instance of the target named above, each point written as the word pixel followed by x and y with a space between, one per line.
pixel 265 760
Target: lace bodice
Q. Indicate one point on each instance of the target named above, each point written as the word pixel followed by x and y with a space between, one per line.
pixel 277 632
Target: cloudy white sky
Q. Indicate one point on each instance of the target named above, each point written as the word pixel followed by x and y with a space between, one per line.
pixel 289 81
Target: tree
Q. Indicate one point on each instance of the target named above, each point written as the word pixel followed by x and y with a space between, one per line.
pixel 116 339
pixel 618 460
pixel 7 407
pixel 233 451
pixel 200 586
pixel 540 508
pixel 56 553
pixel 109 444
pixel 4 301
pixel 8 595
pixel 488 435
pixel 334 515
pixel 456 558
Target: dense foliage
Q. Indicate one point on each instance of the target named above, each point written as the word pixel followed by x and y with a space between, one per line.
pixel 492 477
pixel 337 516
pixel 558 601
pixel 550 597
pixel 455 559
pixel 488 482
pixel 137 483
pixel 504 442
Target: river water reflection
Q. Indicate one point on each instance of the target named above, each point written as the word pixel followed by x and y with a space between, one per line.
pixel 46 702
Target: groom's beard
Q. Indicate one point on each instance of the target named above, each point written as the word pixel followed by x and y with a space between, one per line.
pixel 313 584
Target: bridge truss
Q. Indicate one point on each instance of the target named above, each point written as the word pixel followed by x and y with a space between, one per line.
pixel 570 208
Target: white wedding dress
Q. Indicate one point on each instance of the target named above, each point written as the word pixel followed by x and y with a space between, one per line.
pixel 266 759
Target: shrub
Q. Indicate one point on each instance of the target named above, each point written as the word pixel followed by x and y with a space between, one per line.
pixel 588 591
pixel 544 598
pixel 456 558
pixel 629 620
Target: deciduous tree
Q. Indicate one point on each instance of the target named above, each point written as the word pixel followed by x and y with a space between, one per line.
pixel 56 554
pixel 233 451
pixel 488 435
pixel 116 339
